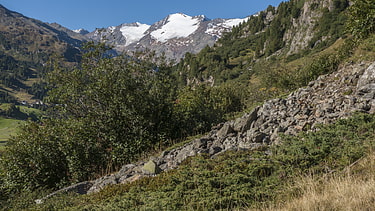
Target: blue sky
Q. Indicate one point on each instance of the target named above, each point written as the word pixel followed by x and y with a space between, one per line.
pixel 92 14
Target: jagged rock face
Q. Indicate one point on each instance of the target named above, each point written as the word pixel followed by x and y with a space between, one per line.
pixel 173 36
pixel 302 31
pixel 330 97
pixel 366 85
pixel 304 27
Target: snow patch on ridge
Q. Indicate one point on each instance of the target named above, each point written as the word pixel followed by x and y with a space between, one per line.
pixel 77 30
pixel 225 26
pixel 178 25
pixel 234 22
pixel 134 33
pixel 111 29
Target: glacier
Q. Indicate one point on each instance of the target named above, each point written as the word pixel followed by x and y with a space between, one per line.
pixel 178 25
pixel 134 32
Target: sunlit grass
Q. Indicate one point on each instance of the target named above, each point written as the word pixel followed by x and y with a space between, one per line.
pixel 351 189
pixel 8 127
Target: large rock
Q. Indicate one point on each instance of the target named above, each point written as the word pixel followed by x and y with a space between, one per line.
pixel 244 123
pixel 102 182
pixel 254 135
pixel 225 130
pixel 366 83
pixel 151 168
pixel 80 188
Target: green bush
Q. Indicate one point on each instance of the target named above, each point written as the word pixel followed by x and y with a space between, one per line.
pixel 197 109
pixel 362 18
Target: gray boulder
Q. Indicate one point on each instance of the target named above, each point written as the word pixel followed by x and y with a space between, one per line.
pixel 150 168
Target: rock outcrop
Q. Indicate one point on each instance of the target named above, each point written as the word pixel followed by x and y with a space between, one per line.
pixel 330 97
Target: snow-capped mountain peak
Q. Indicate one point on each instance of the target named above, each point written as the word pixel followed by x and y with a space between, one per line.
pixel 133 32
pixel 81 31
pixel 176 26
pixel 174 35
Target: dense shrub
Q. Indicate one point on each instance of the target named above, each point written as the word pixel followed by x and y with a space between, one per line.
pixel 362 18
pixel 197 109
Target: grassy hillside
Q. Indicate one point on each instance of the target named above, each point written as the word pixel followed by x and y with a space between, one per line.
pixel 10 118
pixel 351 189
pixel 26 46
pixel 299 173
pixel 274 52
pixel 7 129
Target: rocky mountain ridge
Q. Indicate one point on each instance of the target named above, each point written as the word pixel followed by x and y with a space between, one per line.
pixel 337 95
pixel 174 36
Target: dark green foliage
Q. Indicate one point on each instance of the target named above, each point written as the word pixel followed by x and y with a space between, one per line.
pixel 362 18
pixel 5 97
pixel 39 163
pixel 197 109
pixel 106 113
pixel 123 102
pixel 11 110
pixel 331 148
pixel 38 89
pixel 13 71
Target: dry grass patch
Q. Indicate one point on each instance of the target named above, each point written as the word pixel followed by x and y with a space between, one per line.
pixel 353 189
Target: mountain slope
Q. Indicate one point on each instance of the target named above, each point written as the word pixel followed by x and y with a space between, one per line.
pixel 35 36
pixel 292 30
pixel 26 45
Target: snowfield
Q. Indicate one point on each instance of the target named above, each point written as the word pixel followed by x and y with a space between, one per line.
pixel 226 25
pixel 178 25
pixel 234 22
pixel 134 33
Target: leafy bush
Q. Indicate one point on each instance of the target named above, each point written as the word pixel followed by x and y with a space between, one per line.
pixel 197 109
pixel 362 18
